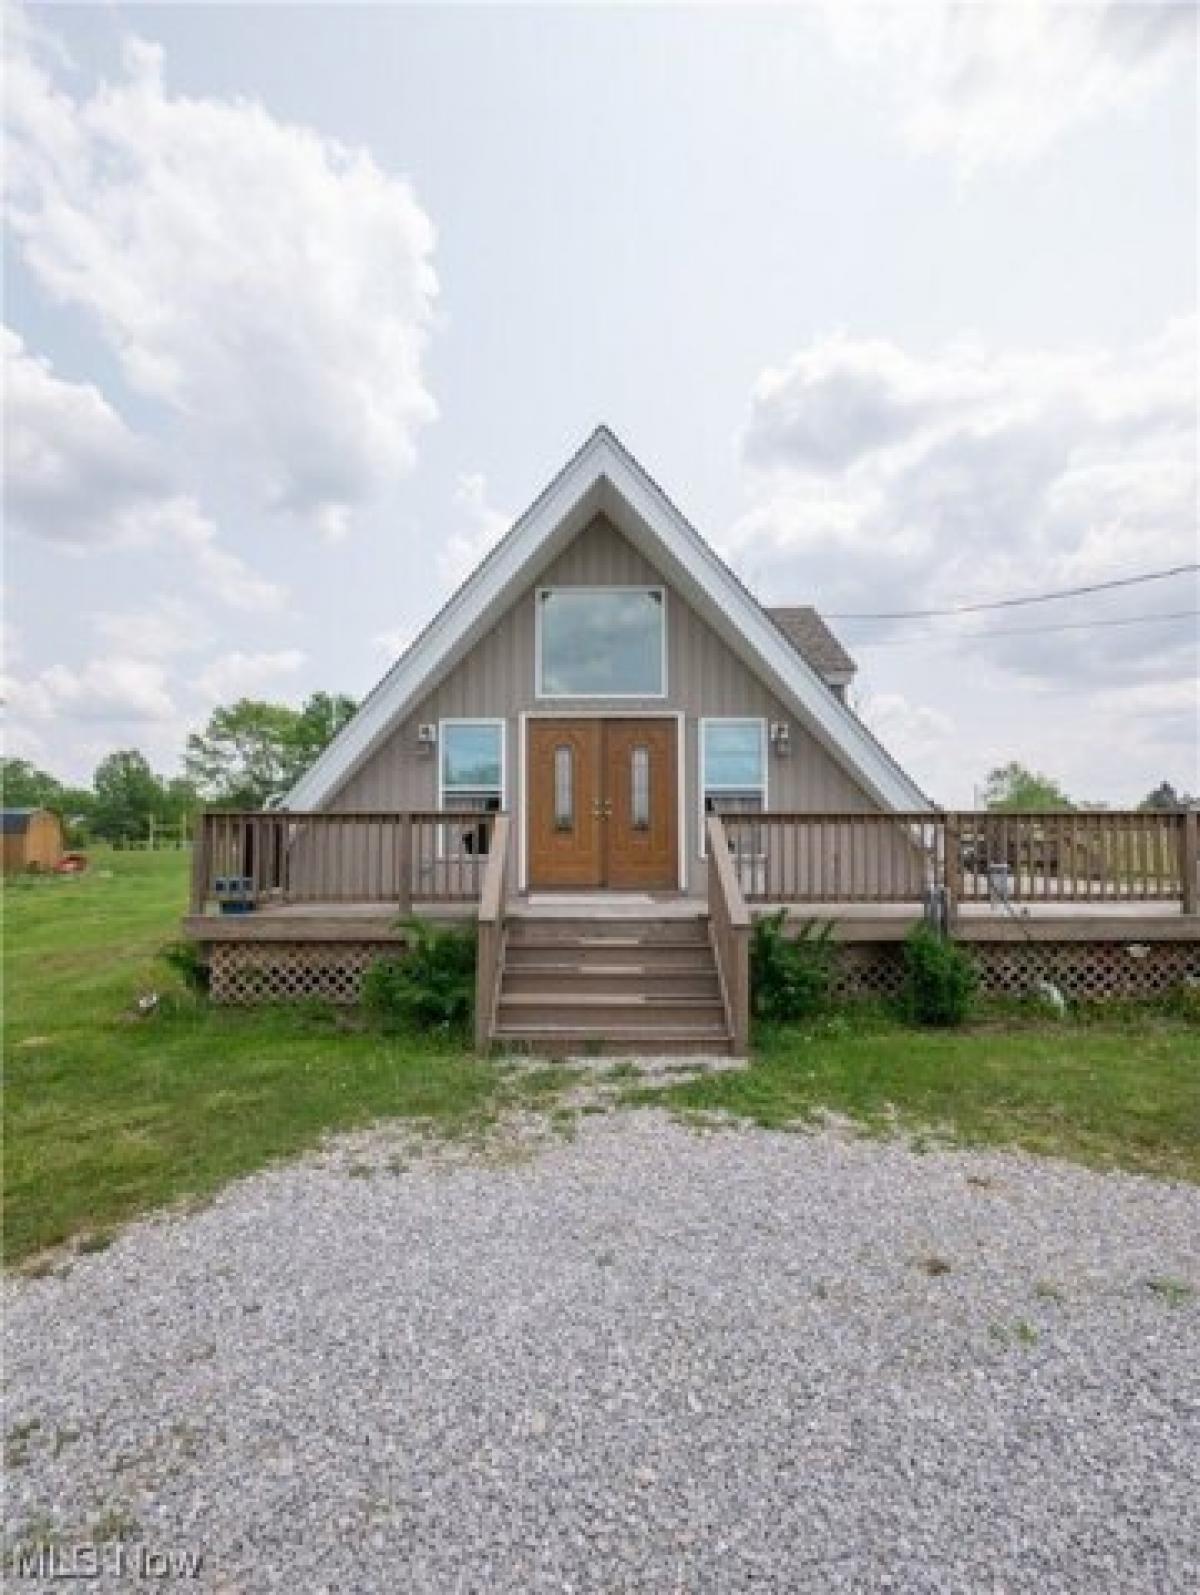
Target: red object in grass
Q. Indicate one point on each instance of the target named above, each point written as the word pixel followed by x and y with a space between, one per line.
pixel 71 863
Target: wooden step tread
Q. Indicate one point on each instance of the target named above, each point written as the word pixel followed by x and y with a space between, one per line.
pixel 592 971
pixel 586 943
pixel 602 999
pixel 710 1033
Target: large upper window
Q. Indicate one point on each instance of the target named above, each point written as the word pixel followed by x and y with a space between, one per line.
pixel 601 642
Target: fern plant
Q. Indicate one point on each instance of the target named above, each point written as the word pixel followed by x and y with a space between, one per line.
pixel 790 977
pixel 430 986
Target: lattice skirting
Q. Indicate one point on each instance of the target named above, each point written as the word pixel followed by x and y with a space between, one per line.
pixel 292 971
pixel 1083 971
pixel 245 973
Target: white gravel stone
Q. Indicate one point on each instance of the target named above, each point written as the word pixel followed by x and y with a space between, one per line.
pixel 641 1359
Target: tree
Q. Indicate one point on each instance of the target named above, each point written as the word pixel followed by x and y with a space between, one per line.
pixel 1012 786
pixel 251 751
pixel 1166 799
pixel 180 800
pixel 127 793
pixel 27 787
pixel 322 716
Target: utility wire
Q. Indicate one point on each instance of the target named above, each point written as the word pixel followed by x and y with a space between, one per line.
pixel 1022 631
pixel 1013 603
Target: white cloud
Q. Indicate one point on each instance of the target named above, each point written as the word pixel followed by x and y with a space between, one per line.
pixel 921 738
pixel 884 480
pixel 78 476
pixel 997 84
pixel 906 727
pixel 165 626
pixel 1172 707
pixel 880 479
pixel 247 675
pixel 105 689
pixel 480 528
pixel 271 287
pixel 75 473
pixel 225 574
pixel 392 643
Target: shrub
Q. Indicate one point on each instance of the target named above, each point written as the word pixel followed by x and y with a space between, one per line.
pixel 431 987
pixel 186 959
pixel 790 978
pixel 939 979
pixel 1183 1000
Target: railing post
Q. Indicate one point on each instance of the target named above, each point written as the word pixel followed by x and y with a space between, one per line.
pixel 1189 862
pixel 951 864
pixel 489 945
pixel 740 984
pixel 729 922
pixel 404 834
pixel 200 871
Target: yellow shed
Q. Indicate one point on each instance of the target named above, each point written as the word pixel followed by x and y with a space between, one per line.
pixel 33 839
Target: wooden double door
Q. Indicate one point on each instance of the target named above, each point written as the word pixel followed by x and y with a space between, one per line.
pixel 603 804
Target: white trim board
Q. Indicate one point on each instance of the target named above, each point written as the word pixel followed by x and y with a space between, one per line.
pixel 603 475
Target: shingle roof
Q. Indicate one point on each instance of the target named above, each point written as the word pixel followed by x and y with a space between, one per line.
pixel 813 640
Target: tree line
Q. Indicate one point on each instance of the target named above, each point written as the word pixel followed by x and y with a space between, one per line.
pixel 248 753
pixel 252 751
pixel 1013 787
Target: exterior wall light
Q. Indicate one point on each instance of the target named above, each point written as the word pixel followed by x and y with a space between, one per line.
pixel 781 738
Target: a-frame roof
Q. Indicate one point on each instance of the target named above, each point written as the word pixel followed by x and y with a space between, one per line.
pixel 603 477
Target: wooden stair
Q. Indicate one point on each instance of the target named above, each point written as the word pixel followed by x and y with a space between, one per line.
pixel 615 986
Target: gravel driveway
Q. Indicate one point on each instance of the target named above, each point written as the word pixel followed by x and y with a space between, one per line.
pixel 646 1359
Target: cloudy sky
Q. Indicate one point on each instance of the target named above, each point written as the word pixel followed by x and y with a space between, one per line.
pixel 304 304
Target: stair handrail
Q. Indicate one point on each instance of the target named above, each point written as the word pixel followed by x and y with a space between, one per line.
pixel 729 923
pixel 490 942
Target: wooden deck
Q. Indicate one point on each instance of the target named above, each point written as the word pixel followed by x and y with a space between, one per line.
pixel 1102 906
pixel 859 922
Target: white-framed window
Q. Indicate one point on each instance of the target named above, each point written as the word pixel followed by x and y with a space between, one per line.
pixel 600 642
pixel 733 768
pixel 471 776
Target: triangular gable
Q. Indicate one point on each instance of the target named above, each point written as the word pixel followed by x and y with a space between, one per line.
pixel 603 477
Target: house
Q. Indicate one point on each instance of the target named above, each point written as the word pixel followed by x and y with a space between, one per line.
pixel 606 752
pixel 606 679
pixel 33 839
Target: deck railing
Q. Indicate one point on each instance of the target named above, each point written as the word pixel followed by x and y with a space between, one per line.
pixel 489 957
pixel 1101 856
pixel 256 859
pixel 1079 856
pixel 836 858
pixel 729 927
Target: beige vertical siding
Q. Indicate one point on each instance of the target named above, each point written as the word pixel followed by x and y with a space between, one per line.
pixel 704 678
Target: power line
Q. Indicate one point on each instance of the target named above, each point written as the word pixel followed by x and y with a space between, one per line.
pixel 1013 603
pixel 1025 631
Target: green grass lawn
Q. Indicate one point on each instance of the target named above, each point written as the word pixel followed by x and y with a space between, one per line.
pixel 109 1114
pixel 1114 1094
